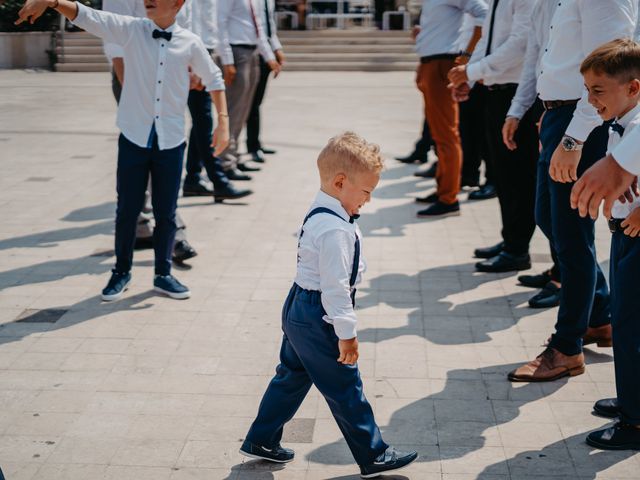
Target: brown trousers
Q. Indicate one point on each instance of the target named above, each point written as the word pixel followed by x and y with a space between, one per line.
pixel 441 112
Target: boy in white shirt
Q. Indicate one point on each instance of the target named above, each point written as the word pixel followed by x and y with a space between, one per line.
pixel 158 54
pixel 612 77
pixel 320 346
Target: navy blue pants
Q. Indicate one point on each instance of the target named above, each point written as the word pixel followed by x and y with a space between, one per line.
pixel 200 153
pixel 584 298
pixel 135 164
pixel 308 356
pixel 625 323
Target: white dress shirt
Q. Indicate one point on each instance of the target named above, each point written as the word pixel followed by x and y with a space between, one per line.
pixel 157 83
pixel 536 43
pixel 269 8
pixel 325 262
pixel 131 8
pixel 628 144
pixel 199 16
pixel 510 30
pixel 237 26
pixel 578 27
pixel 441 24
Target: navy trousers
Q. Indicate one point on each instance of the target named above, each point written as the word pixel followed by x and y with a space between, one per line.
pixel 625 323
pixel 135 164
pixel 584 298
pixel 200 153
pixel 308 356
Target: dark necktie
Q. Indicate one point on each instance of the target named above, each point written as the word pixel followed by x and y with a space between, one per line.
pixel 491 24
pixel 616 127
pixel 254 19
pixel 268 17
pixel 162 34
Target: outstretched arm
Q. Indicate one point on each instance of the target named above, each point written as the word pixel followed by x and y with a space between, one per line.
pixel 33 9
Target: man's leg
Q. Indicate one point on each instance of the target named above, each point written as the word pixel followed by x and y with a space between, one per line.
pixel 471 135
pixel 199 103
pixel 253 121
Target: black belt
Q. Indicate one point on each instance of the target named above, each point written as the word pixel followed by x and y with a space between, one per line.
pixel 440 56
pixel 551 104
pixel 244 45
pixel 501 86
pixel 615 225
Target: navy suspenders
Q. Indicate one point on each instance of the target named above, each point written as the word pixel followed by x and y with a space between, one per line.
pixel 356 255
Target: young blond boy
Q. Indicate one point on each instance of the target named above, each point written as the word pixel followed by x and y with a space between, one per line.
pixel 612 77
pixel 320 346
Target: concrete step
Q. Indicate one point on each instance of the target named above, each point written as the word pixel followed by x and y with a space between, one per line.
pixel 350 67
pixel 75 50
pixel 361 49
pixel 81 42
pixel 83 58
pixel 82 67
pixel 351 57
pixel 345 41
pixel 354 32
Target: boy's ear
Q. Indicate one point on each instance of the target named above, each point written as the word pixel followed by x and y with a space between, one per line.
pixel 338 180
pixel 634 87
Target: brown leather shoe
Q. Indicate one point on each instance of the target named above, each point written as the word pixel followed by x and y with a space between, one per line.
pixel 548 366
pixel 601 336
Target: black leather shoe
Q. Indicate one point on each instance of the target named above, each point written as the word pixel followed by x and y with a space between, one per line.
pixel 143 243
pixel 413 157
pixel 485 192
pixel 183 251
pixel 505 262
pixel 607 407
pixel 536 281
pixel 439 209
pixel 258 156
pixel 200 189
pixel 229 192
pixel 548 297
pixel 237 175
pixel 433 198
pixel 489 252
pixel 389 461
pixel 248 167
pixel 268 151
pixel 428 173
pixel 469 183
pixel 276 454
pixel 619 437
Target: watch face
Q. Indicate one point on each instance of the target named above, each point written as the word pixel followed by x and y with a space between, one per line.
pixel 568 143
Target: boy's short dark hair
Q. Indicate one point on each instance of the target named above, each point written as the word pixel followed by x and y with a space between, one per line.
pixel 619 59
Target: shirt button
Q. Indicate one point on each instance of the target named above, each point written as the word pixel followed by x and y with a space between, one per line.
pixel 161 63
pixel 162 44
pixel 157 116
pixel 157 99
pixel 159 81
pixel 546 49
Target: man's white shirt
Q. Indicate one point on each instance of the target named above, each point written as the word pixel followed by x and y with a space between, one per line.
pixel 630 122
pixel 131 8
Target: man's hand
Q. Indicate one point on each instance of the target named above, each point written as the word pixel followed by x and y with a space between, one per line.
pixel 605 180
pixel 229 74
pixel 461 60
pixel 415 31
pixel 631 224
pixel 564 165
pixel 274 66
pixel 458 75
pixel 32 10
pixel 195 82
pixel 460 93
pixel 509 132
pixel 220 136
pixel 348 351
pixel 280 58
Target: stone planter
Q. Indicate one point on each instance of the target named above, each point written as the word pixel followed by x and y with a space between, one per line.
pixel 25 50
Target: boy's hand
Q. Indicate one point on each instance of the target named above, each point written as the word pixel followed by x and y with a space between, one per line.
pixel 348 351
pixel 631 224
pixel 221 136
pixel 32 10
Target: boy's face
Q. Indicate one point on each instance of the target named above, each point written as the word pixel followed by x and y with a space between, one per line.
pixel 162 9
pixel 355 190
pixel 611 97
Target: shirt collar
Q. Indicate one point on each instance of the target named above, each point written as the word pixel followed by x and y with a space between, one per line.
pixel 171 28
pixel 325 200
pixel 625 120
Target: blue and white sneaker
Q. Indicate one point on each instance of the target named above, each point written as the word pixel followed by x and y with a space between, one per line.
pixel 277 454
pixel 118 284
pixel 169 285
pixel 388 461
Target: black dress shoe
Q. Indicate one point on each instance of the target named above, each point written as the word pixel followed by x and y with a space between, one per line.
pixel 485 192
pixel 143 243
pixel 619 437
pixel 439 209
pixel 548 297
pixel 489 252
pixel 505 262
pixel 607 407
pixel 268 151
pixel 183 251
pixel 433 198
pixel 413 157
pixel 237 175
pixel 536 281
pixel 229 192
pixel 389 461
pixel 428 173
pixel 248 167
pixel 258 156
pixel 200 189
pixel 277 454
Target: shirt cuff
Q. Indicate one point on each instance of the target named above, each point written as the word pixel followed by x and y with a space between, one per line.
pixel 345 328
pixel 580 129
pixel 627 156
pixel 474 71
pixel 516 111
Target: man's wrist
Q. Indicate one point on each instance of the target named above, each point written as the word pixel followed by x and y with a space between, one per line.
pixel 53 4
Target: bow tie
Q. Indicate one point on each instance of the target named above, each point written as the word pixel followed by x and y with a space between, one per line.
pixel 162 34
pixel 353 218
pixel 616 127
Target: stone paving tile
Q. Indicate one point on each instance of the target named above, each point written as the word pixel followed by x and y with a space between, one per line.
pixel 148 387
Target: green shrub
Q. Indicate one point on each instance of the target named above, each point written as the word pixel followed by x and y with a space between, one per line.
pixel 9 9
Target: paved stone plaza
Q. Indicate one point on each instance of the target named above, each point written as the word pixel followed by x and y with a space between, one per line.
pixel 152 388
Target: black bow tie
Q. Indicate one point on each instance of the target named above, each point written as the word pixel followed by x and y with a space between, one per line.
pixel 616 127
pixel 353 218
pixel 162 34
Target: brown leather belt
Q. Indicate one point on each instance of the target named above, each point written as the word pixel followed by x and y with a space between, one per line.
pixel 440 56
pixel 501 86
pixel 551 104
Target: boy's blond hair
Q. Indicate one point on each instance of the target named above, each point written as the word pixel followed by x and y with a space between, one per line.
pixel 619 59
pixel 348 153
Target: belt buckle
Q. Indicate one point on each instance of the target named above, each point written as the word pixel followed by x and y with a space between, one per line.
pixel 613 225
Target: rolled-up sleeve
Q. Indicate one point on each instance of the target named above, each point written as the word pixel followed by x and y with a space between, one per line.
pixel 627 153
pixel 204 67
pixel 336 251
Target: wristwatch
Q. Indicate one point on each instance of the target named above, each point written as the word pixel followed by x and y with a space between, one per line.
pixel 570 144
